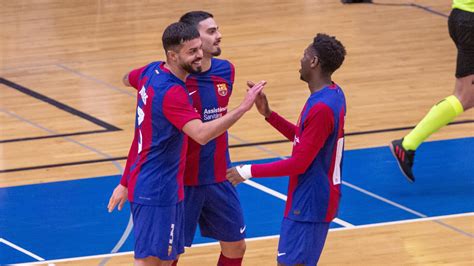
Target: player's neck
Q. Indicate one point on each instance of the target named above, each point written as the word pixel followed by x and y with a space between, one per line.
pixel 206 62
pixel 319 83
pixel 177 71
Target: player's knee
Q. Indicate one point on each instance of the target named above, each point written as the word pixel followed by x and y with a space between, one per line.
pixel 465 91
pixel 240 247
pixel 234 249
pixel 149 261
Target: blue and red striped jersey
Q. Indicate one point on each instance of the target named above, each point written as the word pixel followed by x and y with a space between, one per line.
pixel 316 161
pixel 210 91
pixel 156 161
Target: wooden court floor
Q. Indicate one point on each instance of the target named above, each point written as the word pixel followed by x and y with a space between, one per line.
pixel 400 62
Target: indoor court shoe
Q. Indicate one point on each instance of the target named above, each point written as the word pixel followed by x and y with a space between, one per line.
pixel 405 158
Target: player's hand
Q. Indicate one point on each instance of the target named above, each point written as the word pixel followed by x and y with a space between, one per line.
pixel 234 177
pixel 119 196
pixel 252 94
pixel 261 102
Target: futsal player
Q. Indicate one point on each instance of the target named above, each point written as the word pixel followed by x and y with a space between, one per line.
pixel 156 161
pixel 461 30
pixel 210 199
pixel 316 160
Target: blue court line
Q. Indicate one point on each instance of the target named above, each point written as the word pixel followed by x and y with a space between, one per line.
pixel 69 219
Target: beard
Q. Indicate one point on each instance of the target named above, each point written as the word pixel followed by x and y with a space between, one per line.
pixel 217 52
pixel 189 68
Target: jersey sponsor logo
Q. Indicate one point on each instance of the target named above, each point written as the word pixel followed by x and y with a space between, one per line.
pixel 222 89
pixel 193 92
pixel 157 72
pixel 281 254
pixel 213 113
pixel 242 230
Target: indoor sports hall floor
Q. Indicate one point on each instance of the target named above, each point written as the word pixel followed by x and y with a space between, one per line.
pixel 68 219
pixel 66 124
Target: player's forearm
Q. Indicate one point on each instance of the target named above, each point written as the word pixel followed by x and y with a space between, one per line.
pixel 217 127
pixel 288 167
pixel 283 126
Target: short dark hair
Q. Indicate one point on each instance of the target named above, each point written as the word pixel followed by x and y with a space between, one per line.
pixel 178 33
pixel 194 17
pixel 330 51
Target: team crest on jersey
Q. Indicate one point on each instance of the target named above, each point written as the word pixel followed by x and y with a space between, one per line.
pixel 222 89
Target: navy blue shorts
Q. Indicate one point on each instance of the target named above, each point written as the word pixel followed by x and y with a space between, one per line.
pixel 301 242
pixel 216 207
pixel 158 230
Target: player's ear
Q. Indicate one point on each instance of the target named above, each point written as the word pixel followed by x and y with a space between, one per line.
pixel 315 61
pixel 172 55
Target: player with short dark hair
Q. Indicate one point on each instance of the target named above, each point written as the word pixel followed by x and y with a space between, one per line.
pixel 315 164
pixel 155 165
pixel 211 201
pixel 461 30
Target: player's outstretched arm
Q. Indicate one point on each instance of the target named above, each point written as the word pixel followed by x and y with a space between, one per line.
pixel 119 197
pixel 202 133
pixel 283 126
pixel 318 126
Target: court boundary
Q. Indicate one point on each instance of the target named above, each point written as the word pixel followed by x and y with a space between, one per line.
pixel 118 254
pixel 106 127
pixel 241 145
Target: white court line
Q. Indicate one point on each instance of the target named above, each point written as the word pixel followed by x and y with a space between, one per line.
pixel 419 214
pixel 22 250
pixel 273 192
pixel 393 203
pixel 284 197
pixel 261 238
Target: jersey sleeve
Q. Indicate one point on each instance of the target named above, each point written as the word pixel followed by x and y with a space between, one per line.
pixel 232 73
pixel 285 127
pixel 318 125
pixel 134 77
pixel 131 158
pixel 177 108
